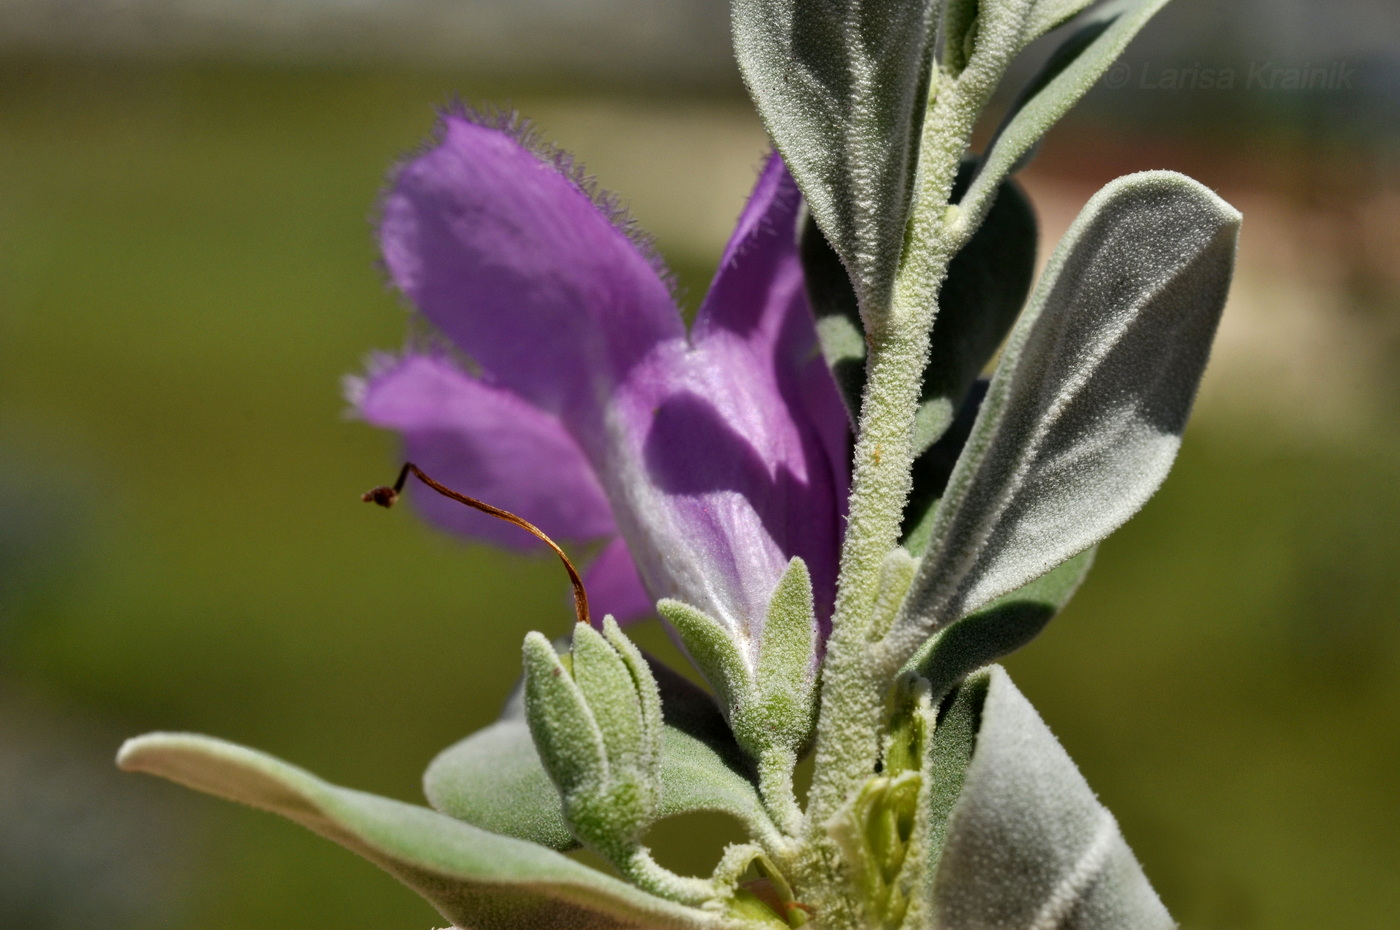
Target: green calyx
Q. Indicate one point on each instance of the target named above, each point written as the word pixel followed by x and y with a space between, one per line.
pixel 768 687
pixel 595 717
pixel 769 697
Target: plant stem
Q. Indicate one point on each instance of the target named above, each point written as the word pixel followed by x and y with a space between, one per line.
pixel 848 729
pixel 775 769
pixel 648 874
pixel 851 717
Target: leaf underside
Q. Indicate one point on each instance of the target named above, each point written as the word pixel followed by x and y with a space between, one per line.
pixel 842 88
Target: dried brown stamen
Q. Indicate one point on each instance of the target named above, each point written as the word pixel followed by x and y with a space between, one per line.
pixel 386 497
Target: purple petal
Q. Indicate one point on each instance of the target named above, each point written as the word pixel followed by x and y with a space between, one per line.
pixel 722 456
pixel 517 265
pixel 742 438
pixel 614 587
pixel 489 444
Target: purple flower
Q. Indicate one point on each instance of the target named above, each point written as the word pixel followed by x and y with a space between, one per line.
pixel 572 394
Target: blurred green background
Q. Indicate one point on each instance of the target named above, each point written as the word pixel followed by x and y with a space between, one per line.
pixel 187 270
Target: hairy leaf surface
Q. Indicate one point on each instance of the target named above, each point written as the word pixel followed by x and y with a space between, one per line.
pixel 1028 844
pixel 1084 416
pixel 841 86
pixel 494 779
pixel 476 879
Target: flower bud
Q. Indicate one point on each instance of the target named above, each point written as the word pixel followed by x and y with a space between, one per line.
pixel 595 716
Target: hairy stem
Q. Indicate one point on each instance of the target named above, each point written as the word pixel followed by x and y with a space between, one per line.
pixel 851 717
pixel 775 769
pixel 849 722
pixel 648 874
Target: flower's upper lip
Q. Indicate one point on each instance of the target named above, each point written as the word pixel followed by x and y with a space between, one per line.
pixel 717 455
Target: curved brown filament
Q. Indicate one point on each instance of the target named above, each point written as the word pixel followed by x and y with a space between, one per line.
pixel 386 496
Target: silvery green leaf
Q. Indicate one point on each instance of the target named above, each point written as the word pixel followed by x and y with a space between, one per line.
pixel 1000 628
pixel 985 289
pixel 842 86
pixel 1028 844
pixel 494 779
pixel 477 880
pixel 1084 416
pixel 1066 77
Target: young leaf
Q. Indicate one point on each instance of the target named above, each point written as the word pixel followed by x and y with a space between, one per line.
pixel 1084 416
pixel 1066 77
pixel 787 668
pixel 473 878
pixel 648 692
pixel 570 741
pixel 611 691
pixel 842 88
pixel 1028 845
pixel 713 650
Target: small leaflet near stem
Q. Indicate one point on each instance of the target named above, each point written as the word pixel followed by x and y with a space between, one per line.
pixel 386 497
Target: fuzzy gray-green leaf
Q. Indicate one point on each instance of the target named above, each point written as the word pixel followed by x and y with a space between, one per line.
pixel 475 879
pixel 1028 844
pixel 842 87
pixel 712 648
pixel 1067 76
pixel 608 687
pixel 568 738
pixel 1085 413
